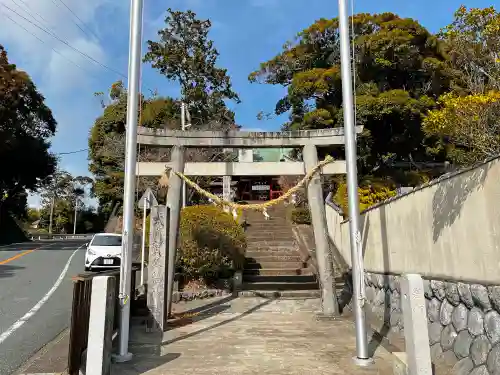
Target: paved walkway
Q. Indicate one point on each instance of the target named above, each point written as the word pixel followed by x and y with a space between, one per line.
pixel 251 336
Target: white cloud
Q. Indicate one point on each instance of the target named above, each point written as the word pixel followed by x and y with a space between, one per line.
pixel 21 33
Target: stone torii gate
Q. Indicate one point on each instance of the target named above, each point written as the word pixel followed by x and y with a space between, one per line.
pixel 159 292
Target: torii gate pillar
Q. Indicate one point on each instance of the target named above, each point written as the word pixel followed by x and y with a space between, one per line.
pixel 316 201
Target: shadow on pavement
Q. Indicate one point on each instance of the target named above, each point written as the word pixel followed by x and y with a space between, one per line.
pixel 8 270
pixel 197 314
pixel 140 365
pixel 245 313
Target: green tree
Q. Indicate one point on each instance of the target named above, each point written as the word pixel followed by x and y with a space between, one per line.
pixel 400 70
pixel 185 54
pixel 32 215
pixel 26 124
pixel 62 193
pixel 467 121
pixel 107 140
pixel 473 43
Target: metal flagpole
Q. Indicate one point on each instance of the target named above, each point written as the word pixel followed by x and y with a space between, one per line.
pixel 362 356
pixel 143 245
pixel 134 69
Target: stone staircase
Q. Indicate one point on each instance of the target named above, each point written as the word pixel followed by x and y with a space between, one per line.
pixel 274 266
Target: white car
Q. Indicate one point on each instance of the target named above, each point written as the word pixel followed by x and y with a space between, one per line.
pixel 103 252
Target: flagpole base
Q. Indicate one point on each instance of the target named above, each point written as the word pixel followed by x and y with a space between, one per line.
pixel 363 362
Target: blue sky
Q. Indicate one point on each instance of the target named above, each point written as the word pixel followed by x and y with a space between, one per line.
pixel 246 32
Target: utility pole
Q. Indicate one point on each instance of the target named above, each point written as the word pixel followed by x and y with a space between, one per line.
pixel 362 356
pixel 134 71
pixel 52 202
pixel 76 210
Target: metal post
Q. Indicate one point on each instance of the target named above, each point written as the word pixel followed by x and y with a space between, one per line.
pixel 134 69
pixel 51 212
pixel 183 128
pixel 362 356
pixel 143 247
pixel 74 221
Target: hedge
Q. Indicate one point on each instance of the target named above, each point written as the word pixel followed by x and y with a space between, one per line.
pixel 210 242
pixel 301 215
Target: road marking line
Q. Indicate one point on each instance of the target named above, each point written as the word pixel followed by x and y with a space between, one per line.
pixel 16 257
pixel 40 303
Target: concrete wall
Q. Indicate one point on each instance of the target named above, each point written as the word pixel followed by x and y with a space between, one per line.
pixel 438 230
pixel 447 231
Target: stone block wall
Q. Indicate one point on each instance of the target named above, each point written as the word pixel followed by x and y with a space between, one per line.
pixel 463 320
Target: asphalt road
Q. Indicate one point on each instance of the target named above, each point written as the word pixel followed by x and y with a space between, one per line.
pixel 35 296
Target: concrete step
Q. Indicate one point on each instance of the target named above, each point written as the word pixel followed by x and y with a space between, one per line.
pixel 261 257
pixel 279 286
pixel 280 221
pixel 271 247
pixel 254 264
pixel 283 224
pixel 265 233
pixel 279 278
pixel 299 294
pixel 267 225
pixel 270 236
pixel 277 272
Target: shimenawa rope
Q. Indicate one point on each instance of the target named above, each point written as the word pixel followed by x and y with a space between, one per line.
pixel 254 206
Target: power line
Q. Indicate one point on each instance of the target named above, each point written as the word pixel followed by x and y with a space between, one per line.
pixel 65 42
pixel 83 31
pixel 78 18
pixel 22 27
pixel 38 14
pixel 55 36
pixel 72 152
pixel 48 26
pixel 42 41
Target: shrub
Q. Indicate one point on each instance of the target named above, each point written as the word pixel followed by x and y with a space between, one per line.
pixel 210 242
pixel 301 215
pixel 368 195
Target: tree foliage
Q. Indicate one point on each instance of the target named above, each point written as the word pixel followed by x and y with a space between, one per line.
pixel 66 193
pixel 371 193
pixel 470 126
pixel 185 54
pixel 107 139
pixel 473 43
pixel 467 121
pixel 400 70
pixel 26 124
